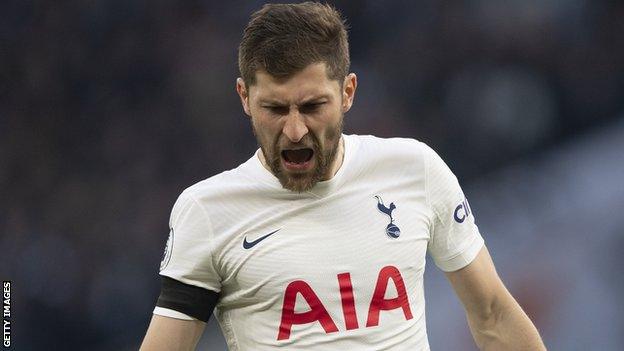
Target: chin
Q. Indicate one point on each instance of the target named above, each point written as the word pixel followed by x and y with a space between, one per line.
pixel 298 182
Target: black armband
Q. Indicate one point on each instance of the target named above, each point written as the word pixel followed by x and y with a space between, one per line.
pixel 188 299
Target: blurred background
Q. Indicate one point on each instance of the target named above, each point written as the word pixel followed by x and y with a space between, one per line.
pixel 110 108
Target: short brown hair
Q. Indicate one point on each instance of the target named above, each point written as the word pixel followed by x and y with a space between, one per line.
pixel 283 39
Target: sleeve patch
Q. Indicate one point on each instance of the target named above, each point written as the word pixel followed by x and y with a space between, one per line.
pixel 168 251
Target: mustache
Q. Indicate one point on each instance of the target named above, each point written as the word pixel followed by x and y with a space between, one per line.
pixel 309 142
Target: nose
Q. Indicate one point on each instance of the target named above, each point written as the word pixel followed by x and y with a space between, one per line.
pixel 295 128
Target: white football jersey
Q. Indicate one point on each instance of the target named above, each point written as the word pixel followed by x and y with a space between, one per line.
pixel 338 267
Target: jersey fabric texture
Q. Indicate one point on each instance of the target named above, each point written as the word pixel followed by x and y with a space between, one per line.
pixel 338 267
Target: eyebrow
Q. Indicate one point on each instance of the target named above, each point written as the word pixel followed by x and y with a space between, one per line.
pixel 305 102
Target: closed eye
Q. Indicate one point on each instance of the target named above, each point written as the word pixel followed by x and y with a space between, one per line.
pixel 311 107
pixel 278 110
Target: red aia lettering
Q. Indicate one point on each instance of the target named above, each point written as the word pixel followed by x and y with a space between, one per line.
pixel 379 302
pixel 317 311
pixel 348 302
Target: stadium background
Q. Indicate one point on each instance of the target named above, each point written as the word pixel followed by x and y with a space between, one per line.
pixel 110 108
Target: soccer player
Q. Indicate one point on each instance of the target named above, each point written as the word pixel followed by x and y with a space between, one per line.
pixel 318 241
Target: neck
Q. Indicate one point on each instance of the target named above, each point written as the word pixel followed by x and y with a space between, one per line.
pixel 337 162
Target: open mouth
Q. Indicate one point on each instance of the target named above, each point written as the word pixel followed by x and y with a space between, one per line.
pixel 298 155
pixel 297 158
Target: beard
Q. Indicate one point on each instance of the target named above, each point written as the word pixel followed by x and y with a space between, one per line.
pixel 323 158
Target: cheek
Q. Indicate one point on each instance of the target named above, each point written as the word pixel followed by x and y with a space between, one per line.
pixel 331 126
pixel 266 132
pixel 262 124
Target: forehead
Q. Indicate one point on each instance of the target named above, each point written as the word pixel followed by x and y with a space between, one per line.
pixel 308 83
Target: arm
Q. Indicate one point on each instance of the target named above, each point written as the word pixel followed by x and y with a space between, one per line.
pixel 165 333
pixel 180 317
pixel 495 319
pixel 189 283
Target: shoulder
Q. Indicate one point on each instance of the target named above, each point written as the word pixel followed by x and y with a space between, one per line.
pixel 395 149
pixel 197 197
pixel 219 185
pixel 225 197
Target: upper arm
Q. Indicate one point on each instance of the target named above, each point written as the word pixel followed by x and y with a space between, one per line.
pixel 479 287
pixel 454 236
pixel 165 333
pixel 180 316
pixel 190 284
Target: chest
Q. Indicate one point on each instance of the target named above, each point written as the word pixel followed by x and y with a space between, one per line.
pixel 355 233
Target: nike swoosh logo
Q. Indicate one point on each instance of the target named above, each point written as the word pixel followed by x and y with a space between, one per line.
pixel 249 244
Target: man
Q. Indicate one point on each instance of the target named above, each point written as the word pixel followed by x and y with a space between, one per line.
pixel 319 240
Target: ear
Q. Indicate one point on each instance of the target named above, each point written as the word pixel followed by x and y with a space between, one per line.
pixel 244 95
pixel 348 91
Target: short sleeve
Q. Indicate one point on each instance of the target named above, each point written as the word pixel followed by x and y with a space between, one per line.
pixel 188 256
pixel 454 237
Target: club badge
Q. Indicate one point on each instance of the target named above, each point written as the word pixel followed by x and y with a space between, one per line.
pixel 392 230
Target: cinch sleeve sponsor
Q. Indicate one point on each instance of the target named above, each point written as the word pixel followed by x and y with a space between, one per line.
pixel 455 239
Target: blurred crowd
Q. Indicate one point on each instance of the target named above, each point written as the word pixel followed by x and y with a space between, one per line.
pixel 110 108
